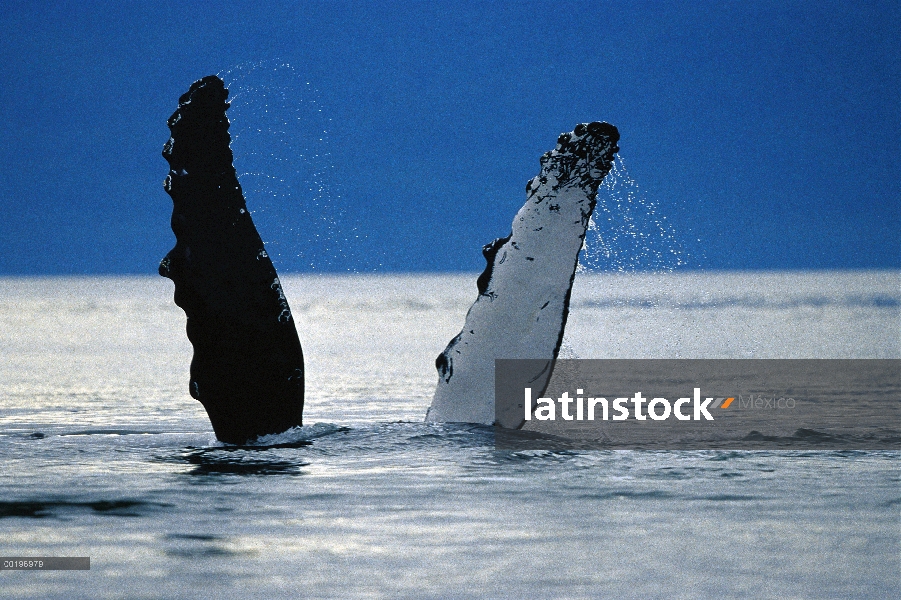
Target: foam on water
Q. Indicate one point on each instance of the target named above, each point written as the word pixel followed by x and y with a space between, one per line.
pixel 297 434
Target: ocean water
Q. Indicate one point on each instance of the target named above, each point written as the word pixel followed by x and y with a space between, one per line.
pixel 104 453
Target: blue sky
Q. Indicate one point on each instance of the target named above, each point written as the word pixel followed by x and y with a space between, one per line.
pixel 767 133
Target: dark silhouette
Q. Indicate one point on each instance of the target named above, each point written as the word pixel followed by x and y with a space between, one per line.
pixel 247 369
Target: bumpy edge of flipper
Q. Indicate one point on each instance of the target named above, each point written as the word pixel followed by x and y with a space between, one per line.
pixel 247 368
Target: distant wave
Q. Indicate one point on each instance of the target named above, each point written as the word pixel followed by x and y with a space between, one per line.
pixel 882 301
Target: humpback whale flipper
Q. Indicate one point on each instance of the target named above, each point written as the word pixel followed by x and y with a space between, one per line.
pixel 247 369
pixel 524 291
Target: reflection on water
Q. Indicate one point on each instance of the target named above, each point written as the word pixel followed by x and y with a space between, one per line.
pixel 215 461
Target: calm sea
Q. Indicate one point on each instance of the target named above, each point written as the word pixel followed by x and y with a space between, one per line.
pixel 104 453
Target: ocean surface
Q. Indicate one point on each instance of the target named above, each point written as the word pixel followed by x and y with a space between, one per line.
pixel 104 453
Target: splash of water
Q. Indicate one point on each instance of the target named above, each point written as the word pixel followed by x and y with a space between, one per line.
pixel 280 138
pixel 627 232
